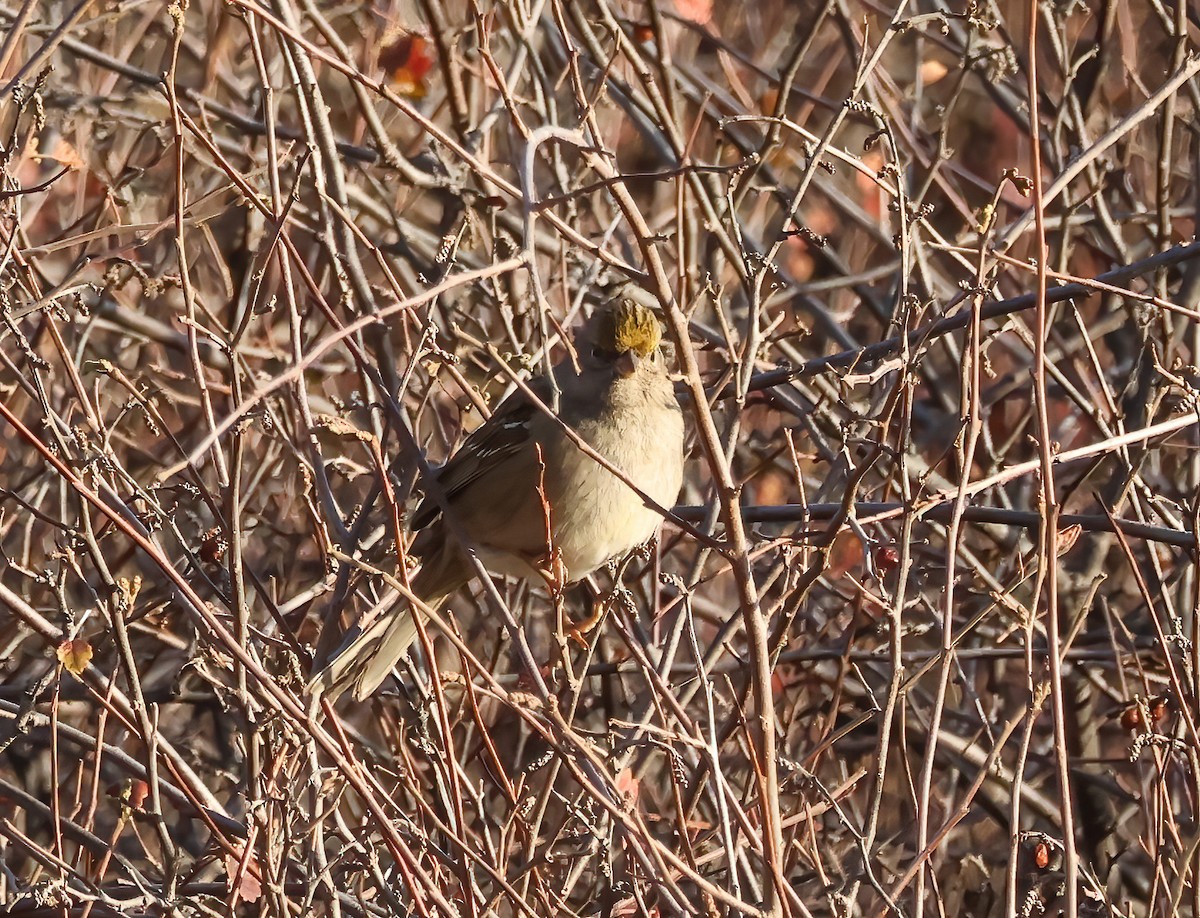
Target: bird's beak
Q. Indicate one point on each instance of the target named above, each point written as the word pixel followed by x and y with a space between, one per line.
pixel 628 363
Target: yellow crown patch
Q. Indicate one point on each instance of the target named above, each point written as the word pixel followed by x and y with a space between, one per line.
pixel 627 326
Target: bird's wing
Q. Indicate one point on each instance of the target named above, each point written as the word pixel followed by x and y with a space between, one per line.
pixel 504 435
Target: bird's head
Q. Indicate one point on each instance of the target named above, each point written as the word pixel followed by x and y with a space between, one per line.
pixel 624 336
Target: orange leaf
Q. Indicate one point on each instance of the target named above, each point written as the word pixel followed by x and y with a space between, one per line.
pixel 138 792
pixel 67 155
pixel 1041 855
pixel 75 655
pixel 132 793
pixel 628 786
pixel 406 58
pixel 698 11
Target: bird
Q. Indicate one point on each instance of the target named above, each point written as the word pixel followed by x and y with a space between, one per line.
pixel 527 499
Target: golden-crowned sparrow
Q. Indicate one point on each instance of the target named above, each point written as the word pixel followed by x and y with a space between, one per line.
pixel 621 403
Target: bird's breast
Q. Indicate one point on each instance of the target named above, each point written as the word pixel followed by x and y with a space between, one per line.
pixel 595 516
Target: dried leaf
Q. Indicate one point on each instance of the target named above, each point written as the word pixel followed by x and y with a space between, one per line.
pixel 340 426
pixel 932 71
pixel 130 589
pixel 1068 537
pixel 67 155
pixel 75 655
pixel 249 887
pixel 628 786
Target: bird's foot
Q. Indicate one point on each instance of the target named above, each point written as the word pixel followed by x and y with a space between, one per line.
pixel 552 570
pixel 578 631
pixel 600 602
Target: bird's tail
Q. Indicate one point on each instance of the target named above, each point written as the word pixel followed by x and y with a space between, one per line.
pixel 369 652
pixel 367 655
